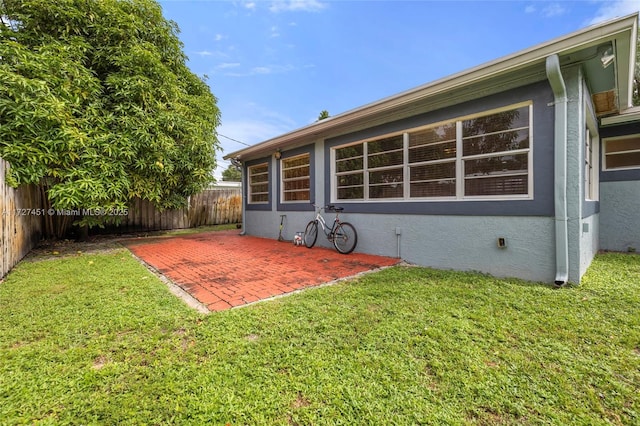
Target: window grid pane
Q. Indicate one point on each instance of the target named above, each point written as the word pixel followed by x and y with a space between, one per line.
pixel 386 180
pixel 628 160
pixel 393 143
pixel 258 184
pixel 495 160
pixel 440 188
pixel 503 185
pixel 430 175
pixel 505 133
pixel 351 193
pixel 496 142
pixel 436 151
pixel 350 172
pixel 296 179
pixel 431 172
pixel 496 165
pixel 624 145
pixel 622 153
pixel 496 123
pixel 443 133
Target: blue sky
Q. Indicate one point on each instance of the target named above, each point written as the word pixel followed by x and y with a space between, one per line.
pixel 274 65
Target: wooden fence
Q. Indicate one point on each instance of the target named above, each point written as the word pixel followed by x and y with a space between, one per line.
pixel 21 217
pixel 210 207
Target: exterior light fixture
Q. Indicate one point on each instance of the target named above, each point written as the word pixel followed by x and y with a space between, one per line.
pixel 277 155
pixel 607 57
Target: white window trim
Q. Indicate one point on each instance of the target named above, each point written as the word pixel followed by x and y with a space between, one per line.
pixel 592 191
pixel 249 186
pixel 459 160
pixel 615 138
pixel 283 180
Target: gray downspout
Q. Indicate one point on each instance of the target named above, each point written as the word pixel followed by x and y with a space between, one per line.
pixel 244 200
pixel 560 168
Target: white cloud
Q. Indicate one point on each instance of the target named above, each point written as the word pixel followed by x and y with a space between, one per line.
pixel 249 5
pixel 261 70
pixel 219 37
pixel 274 32
pixel 614 9
pixel 227 65
pixel 550 9
pixel 297 6
pixel 553 9
pixel 266 70
pixel 204 53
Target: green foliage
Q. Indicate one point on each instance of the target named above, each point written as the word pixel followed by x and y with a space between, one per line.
pixel 98 105
pixel 324 114
pixel 232 174
pixel 97 339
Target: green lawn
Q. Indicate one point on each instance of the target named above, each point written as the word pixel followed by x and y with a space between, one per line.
pixel 97 339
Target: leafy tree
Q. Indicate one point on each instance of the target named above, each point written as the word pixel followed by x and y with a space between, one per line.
pixel 324 114
pixel 231 174
pixel 98 106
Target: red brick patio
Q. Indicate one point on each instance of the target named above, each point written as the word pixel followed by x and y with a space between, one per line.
pixel 223 270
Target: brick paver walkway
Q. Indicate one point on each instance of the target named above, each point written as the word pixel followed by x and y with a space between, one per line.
pixel 223 269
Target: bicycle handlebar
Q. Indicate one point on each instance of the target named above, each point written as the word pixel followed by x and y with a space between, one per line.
pixel 329 207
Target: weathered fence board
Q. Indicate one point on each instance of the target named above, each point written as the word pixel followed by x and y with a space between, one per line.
pixel 210 207
pixel 21 219
pixel 23 214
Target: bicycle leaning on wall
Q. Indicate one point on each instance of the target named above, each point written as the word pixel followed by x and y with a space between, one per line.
pixel 342 234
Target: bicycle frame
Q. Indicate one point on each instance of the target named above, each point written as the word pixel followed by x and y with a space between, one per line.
pixel 343 235
pixel 323 223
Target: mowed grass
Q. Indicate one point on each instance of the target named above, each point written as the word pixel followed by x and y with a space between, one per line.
pixel 97 339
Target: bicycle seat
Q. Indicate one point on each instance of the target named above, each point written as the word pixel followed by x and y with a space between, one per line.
pixel 338 209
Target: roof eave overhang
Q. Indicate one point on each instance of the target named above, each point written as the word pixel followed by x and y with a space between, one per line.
pixel 621 31
pixel 630 115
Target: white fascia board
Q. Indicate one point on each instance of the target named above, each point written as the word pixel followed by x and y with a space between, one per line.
pixel 625 78
pixel 626 116
pixel 621 28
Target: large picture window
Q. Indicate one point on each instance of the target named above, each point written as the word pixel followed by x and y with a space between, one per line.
pixel 482 156
pixel 495 153
pixel 258 184
pixel 385 167
pixel 622 153
pixel 296 180
pixel 432 162
pixel 350 172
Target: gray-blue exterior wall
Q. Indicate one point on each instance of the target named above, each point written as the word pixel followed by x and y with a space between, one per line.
pixel 620 200
pixel 459 235
pixel 542 202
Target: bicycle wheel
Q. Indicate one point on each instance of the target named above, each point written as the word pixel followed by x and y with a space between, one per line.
pixel 345 238
pixel 311 234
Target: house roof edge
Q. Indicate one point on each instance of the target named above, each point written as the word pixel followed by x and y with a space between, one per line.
pixel 523 58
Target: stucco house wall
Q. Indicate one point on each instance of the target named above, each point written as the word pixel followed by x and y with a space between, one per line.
pixel 461 232
pixel 620 200
pixel 443 234
pixel 583 213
